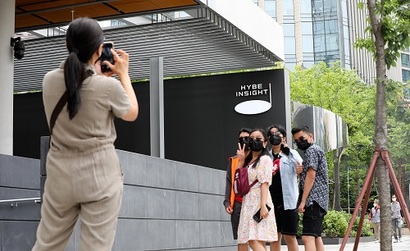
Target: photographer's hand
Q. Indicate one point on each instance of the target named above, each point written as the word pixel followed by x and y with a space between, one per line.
pixel 121 59
pixel 120 68
pixel 99 72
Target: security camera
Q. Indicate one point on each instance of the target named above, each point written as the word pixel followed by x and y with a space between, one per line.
pixel 18 47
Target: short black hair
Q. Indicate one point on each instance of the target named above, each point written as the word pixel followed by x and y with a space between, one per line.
pixel 244 129
pixel 280 129
pixel 305 129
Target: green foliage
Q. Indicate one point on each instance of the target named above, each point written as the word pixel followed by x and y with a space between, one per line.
pixel 338 90
pixel 342 92
pixel 335 225
pixel 398 127
pixel 394 23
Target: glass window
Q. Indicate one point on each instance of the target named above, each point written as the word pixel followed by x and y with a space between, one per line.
pixel 290 45
pixel 320 43
pixel 307 43
pixel 306 28
pixel 329 6
pixel 287 7
pixel 332 42
pixel 318 28
pixel 317 6
pixel 305 6
pixel 270 7
pixel 331 26
pixel 406 75
pixel 289 30
pixel 405 60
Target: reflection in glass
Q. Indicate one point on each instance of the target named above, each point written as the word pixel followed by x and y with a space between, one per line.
pixel 329 130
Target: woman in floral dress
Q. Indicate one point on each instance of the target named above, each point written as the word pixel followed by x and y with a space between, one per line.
pixel 260 168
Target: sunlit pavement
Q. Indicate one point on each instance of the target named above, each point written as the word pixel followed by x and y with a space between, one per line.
pixel 404 245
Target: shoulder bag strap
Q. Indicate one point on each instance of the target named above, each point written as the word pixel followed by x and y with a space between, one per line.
pixel 59 106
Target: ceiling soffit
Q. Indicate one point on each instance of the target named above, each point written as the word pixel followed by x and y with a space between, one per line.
pixel 201 45
pixel 34 14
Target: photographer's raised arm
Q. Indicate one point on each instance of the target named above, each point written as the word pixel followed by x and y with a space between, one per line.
pixel 121 69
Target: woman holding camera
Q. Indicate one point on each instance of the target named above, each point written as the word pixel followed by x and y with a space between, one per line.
pixel 84 177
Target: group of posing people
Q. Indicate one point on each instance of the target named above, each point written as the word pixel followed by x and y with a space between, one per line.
pixel 285 186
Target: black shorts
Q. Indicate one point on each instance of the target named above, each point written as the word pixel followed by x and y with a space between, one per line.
pixel 313 220
pixel 287 221
pixel 235 218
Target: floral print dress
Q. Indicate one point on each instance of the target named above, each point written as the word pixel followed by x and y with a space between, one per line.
pixel 248 228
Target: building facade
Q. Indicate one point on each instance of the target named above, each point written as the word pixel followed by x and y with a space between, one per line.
pixel 326 30
pixel 314 30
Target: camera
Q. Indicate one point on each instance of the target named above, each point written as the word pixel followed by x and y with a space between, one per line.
pixel 106 55
pixel 18 47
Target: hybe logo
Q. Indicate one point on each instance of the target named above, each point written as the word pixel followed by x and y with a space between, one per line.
pixel 256 96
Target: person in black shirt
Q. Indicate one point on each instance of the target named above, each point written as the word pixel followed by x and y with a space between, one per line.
pixel 284 188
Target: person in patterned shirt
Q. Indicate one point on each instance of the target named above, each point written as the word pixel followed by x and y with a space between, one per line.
pixel 314 189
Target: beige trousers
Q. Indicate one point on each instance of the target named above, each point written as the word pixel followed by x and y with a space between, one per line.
pixel 376 227
pixel 86 187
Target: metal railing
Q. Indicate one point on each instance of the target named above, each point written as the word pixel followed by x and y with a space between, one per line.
pixel 15 202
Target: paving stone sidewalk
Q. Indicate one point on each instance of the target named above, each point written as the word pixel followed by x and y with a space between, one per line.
pixel 404 245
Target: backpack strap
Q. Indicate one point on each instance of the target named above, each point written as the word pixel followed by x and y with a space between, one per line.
pixel 61 103
pixel 255 181
pixel 59 106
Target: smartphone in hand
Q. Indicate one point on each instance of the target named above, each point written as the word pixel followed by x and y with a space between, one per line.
pixel 257 216
pixel 106 55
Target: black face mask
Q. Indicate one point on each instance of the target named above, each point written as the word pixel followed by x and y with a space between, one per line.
pixel 244 141
pixel 256 145
pixel 275 139
pixel 303 144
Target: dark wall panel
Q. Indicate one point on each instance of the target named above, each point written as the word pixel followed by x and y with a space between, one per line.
pixel 201 124
pixel 29 124
pixel 200 121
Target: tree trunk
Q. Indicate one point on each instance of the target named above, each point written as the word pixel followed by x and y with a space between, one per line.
pixel 380 137
pixel 337 155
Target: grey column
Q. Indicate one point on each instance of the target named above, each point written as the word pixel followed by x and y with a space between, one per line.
pixel 156 92
pixel 7 20
pixel 288 114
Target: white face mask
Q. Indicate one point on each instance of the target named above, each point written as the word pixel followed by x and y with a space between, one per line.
pixel 374 205
pixel 393 199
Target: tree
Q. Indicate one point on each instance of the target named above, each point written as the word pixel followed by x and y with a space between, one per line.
pixel 389 28
pixel 342 92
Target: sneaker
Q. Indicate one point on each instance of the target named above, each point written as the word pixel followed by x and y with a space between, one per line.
pixel 399 240
pixel 395 241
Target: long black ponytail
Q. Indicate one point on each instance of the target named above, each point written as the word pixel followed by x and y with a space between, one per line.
pixel 83 38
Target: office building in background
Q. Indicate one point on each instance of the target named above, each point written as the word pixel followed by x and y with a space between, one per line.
pixel 326 30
